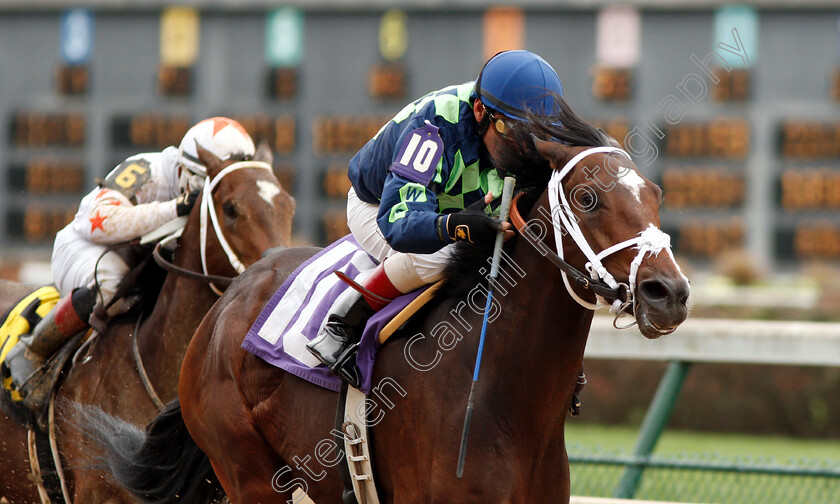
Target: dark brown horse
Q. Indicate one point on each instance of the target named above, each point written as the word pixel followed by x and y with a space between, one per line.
pixel 254 214
pixel 267 432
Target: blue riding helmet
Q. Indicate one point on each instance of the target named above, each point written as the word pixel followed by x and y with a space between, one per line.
pixel 513 82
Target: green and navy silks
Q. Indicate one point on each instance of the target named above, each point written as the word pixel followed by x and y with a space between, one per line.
pixel 393 169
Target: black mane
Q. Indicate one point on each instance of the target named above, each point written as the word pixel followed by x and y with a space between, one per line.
pixel 519 157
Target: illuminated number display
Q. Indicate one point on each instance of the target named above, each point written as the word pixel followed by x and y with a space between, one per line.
pixel 835 85
pixel 149 130
pixel 285 173
pixel 344 134
pixel 278 132
pixel 618 128
pixel 38 223
pixel 810 189
pixel 727 138
pixel 43 129
pixel 734 85
pixel 71 79
pixel 799 139
pixel 336 183
pixel 817 240
pixel 282 82
pixel 710 238
pixel 387 81
pixel 48 176
pixel 335 225
pixel 174 80
pixel 686 187
pixel 612 84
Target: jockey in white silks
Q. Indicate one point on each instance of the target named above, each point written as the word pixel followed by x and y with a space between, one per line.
pixel 138 196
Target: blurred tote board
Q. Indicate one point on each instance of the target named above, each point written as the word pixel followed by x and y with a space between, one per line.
pixel 747 148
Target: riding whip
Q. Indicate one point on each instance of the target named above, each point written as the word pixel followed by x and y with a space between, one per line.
pixel 504 210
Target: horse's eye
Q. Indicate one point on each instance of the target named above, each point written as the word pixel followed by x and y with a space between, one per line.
pixel 230 210
pixel 588 202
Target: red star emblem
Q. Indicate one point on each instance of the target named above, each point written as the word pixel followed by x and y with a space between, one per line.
pixel 96 222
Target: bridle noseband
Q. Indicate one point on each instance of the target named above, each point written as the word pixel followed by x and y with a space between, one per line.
pixel 608 292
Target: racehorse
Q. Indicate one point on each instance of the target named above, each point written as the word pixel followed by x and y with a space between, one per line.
pixel 254 213
pixel 266 433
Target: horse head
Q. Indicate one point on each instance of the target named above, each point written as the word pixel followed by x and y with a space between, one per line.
pixel 243 211
pixel 607 215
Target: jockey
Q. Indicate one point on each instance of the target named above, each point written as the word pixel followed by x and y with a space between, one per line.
pixel 142 193
pixel 416 184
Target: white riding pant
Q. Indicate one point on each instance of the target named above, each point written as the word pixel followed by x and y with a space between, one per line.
pixel 406 271
pixel 74 261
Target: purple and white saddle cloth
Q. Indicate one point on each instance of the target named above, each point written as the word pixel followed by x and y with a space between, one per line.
pixel 299 309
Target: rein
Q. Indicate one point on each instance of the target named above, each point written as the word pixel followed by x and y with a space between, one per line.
pixel 195 275
pixel 599 288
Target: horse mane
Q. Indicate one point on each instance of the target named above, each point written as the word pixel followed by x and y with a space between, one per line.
pixel 519 157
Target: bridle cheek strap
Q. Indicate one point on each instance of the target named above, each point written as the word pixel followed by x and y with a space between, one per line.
pixel 208 208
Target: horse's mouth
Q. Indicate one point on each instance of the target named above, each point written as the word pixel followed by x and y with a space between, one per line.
pixel 650 329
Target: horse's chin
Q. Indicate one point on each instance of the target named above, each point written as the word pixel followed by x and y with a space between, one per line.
pixel 652 328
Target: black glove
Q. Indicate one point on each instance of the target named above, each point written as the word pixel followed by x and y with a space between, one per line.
pixel 185 202
pixel 472 225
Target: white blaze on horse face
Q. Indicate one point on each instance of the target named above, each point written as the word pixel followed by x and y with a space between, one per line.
pixel 268 190
pixel 633 181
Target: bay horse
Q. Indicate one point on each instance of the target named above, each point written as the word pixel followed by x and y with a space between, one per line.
pixel 254 214
pixel 266 433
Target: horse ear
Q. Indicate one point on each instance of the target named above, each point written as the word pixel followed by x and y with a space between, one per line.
pixel 263 153
pixel 608 139
pixel 208 159
pixel 554 152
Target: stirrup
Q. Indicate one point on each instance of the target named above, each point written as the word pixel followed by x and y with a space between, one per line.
pixel 345 356
pixel 345 366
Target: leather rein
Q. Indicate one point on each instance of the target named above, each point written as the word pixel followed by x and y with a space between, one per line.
pixel 195 275
pixel 582 280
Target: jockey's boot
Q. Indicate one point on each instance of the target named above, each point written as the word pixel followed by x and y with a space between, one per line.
pixel 68 318
pixel 338 342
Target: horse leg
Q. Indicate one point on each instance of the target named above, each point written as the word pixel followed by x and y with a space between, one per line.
pixel 221 425
pixel 15 482
pixel 241 459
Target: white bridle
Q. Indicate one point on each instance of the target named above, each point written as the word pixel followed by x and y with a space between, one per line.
pixel 208 208
pixel 650 241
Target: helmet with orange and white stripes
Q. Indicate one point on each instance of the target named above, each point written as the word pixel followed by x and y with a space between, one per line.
pixel 222 136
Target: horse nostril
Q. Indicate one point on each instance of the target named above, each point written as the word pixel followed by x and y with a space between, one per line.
pixel 654 290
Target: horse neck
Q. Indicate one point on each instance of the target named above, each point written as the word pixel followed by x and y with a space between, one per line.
pixel 532 366
pixel 182 304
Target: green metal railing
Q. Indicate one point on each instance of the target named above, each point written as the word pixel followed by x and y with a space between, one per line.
pixel 696 478
pixel 704 478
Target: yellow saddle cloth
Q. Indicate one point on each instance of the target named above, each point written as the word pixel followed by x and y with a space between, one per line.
pixel 17 323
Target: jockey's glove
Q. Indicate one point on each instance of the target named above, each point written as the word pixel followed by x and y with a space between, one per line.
pixel 185 202
pixel 471 225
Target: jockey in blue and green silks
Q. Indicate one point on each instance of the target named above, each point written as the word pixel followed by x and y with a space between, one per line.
pixel 417 186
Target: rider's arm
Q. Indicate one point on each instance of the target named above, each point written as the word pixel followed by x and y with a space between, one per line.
pixel 114 219
pixel 408 216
